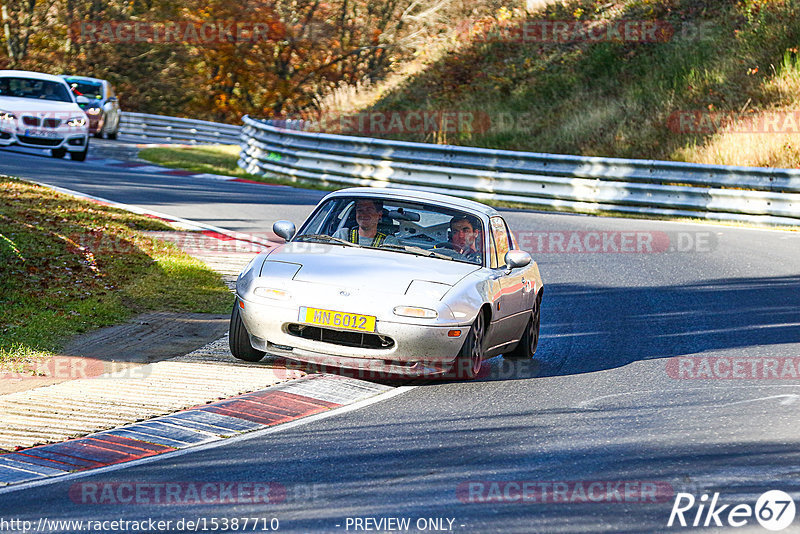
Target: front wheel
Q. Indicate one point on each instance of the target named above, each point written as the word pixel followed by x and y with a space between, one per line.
pixel 80 156
pixel 238 339
pixel 468 362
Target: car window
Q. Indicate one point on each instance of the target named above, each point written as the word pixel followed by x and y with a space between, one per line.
pixel 35 89
pixel 402 227
pixel 91 90
pixel 502 241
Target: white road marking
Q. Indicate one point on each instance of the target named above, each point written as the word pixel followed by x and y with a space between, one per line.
pixel 588 403
pixel 788 399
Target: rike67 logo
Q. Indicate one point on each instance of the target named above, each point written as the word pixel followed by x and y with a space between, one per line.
pixel 774 510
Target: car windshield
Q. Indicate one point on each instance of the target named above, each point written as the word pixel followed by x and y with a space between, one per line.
pixel 91 90
pixel 32 88
pixel 400 226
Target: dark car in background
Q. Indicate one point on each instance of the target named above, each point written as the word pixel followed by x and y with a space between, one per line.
pixel 103 107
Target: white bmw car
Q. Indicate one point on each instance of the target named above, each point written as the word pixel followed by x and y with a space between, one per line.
pixel 40 111
pixel 391 281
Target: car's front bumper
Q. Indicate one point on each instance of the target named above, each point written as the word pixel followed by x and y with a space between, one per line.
pixel 418 350
pixel 66 138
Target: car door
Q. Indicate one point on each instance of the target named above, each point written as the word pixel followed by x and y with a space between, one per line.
pixel 508 314
pixel 516 286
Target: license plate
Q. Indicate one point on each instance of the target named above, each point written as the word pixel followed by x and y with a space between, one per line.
pixel 336 319
pixel 41 133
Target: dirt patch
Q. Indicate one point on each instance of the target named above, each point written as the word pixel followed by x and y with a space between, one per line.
pixel 147 338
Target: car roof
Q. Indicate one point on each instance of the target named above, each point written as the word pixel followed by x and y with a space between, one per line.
pixel 31 74
pixel 83 78
pixel 416 195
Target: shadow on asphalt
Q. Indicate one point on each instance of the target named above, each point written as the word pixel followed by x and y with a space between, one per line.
pixel 586 329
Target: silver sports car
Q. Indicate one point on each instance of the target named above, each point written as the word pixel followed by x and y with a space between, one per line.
pixel 390 281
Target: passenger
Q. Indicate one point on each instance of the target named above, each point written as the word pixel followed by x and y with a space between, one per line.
pixel 463 236
pixel 368 215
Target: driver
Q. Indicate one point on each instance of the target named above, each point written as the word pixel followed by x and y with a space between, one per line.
pixel 48 92
pixel 463 236
pixel 368 214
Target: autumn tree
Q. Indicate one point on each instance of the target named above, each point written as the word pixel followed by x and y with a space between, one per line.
pixel 311 46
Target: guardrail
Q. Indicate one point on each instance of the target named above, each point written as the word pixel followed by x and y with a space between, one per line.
pixel 551 181
pixel 161 128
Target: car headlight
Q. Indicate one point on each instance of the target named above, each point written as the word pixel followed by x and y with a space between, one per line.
pixel 76 122
pixel 93 111
pixel 412 311
pixel 5 116
pixel 272 293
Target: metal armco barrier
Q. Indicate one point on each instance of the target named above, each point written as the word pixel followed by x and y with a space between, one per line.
pixel 163 129
pixel 552 181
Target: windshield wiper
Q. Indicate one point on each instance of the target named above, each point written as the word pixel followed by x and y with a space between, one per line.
pixel 326 239
pixel 416 250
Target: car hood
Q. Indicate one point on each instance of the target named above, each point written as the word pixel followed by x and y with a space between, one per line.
pixel 35 106
pixel 368 269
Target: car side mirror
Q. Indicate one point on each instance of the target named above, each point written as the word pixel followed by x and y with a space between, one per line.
pixel 80 99
pixel 517 258
pixel 284 229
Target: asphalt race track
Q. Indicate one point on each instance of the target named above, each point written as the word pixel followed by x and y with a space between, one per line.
pixel 655 375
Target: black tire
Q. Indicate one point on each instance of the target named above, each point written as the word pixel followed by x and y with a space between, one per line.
pixel 80 156
pixel 529 340
pixel 58 152
pixel 239 340
pixel 468 362
pixel 112 135
pixel 99 135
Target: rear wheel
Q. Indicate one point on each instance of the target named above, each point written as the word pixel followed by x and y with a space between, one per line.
pixel 468 362
pixel 58 152
pixel 530 337
pixel 238 339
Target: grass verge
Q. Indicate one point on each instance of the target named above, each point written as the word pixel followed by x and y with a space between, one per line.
pixel 68 266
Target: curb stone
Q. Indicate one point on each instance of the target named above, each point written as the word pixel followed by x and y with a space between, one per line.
pixel 219 420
